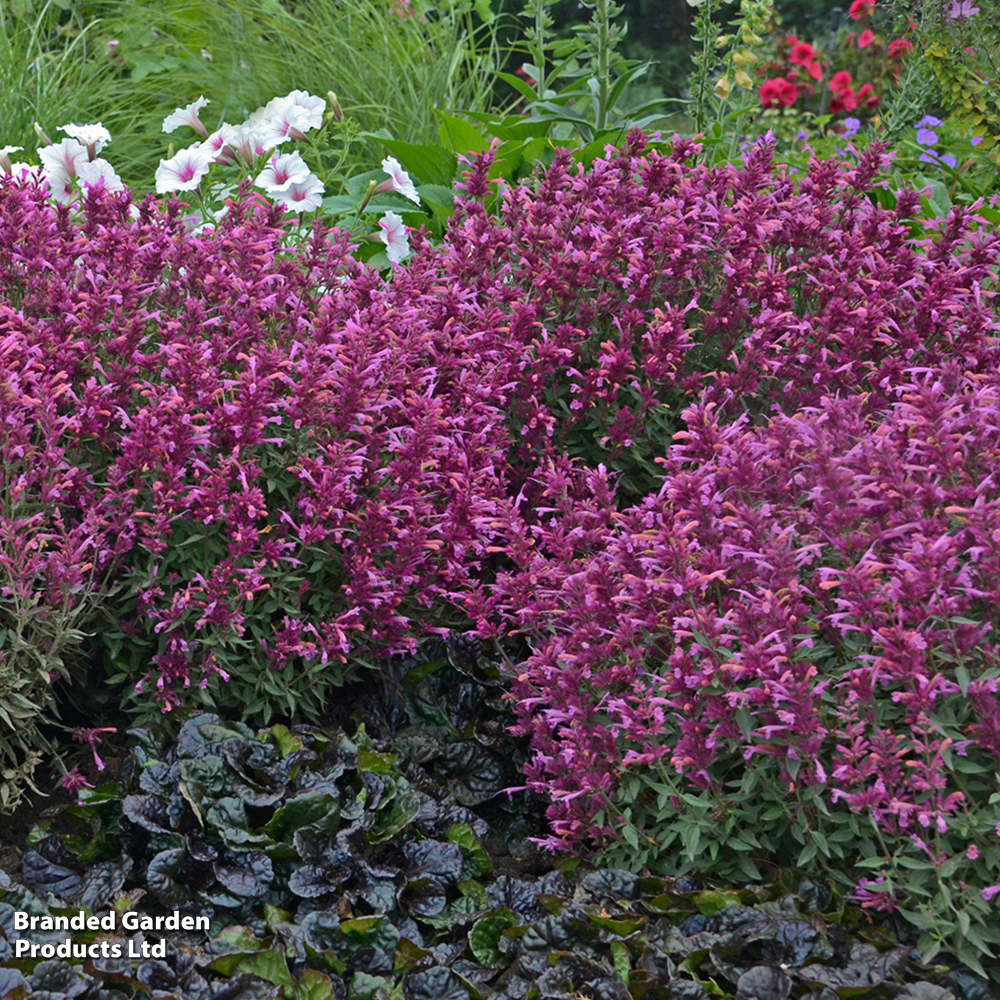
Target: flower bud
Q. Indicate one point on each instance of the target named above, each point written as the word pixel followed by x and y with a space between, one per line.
pixel 742 80
pixel 744 58
pixel 335 107
pixel 40 132
pixel 722 41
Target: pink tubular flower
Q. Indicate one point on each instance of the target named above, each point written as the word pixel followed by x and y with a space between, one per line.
pixel 92 737
pixel 990 892
pixel 972 852
pixel 74 781
pixel 184 170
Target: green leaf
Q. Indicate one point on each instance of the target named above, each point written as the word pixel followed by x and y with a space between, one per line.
pixel 622 959
pixel 269 965
pixel 485 936
pixel 476 860
pixel 428 164
pixel 710 901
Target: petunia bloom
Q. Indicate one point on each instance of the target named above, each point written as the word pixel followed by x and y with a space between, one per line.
pixel 223 138
pixel 839 81
pixel 802 54
pixel 95 173
pixel 394 236
pixel 95 137
pixel 778 92
pixel 301 196
pixel 399 180
pixel 187 116
pixel 5 152
pixel 184 170
pixel 282 171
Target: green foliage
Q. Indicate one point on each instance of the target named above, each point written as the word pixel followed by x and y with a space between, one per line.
pixel 389 71
pixel 743 829
pixel 575 87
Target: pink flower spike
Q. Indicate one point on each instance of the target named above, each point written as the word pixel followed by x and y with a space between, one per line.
pixel 282 171
pixel 74 781
pixel 187 116
pixel 183 171
pixel 399 180
pixel 394 236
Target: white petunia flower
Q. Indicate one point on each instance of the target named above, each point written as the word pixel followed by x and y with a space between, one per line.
pixel 96 172
pixel 285 121
pixel 282 171
pixel 62 187
pixel 248 143
pixel 394 236
pixel 65 156
pixel 187 116
pixel 312 107
pixel 183 171
pixel 399 180
pixel 302 196
pixel 95 137
pixel 223 137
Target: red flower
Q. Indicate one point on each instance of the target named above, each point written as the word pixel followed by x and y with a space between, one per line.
pixel 866 38
pixel 815 70
pixel 802 54
pixel 861 9
pixel 846 100
pixel 840 81
pixel 778 92
pixel 899 48
pixel 868 97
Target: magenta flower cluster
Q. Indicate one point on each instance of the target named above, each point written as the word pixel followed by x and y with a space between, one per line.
pixel 270 454
pixel 282 457
pixel 834 485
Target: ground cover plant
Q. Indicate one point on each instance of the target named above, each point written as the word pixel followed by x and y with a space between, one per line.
pixel 324 866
